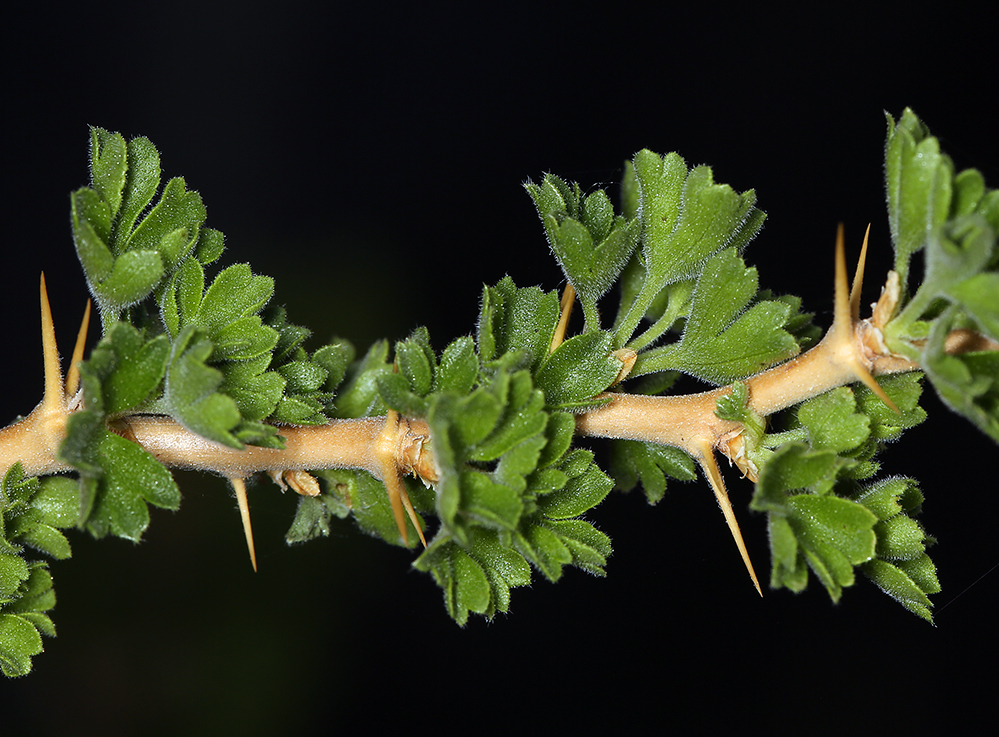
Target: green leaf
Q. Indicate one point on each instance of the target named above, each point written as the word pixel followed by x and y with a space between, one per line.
pixel 171 226
pixel 472 592
pixel 142 181
pixel 395 392
pixel 459 367
pixel 978 296
pixel 650 464
pixel 686 218
pixel 416 363
pixel 582 492
pixel 830 534
pixel 19 641
pixel 129 369
pixel 91 230
pixel 968 383
pixel 58 501
pixel 723 341
pixel 233 294
pixel 590 243
pixel 313 516
pixel 359 395
pixel 578 370
pixel 365 497
pixel 35 594
pixel 191 387
pixel 832 421
pixel 894 581
pixel 589 547
pixel 544 548
pixel 900 538
pixel 255 390
pixel 517 320
pixel 919 182
pixel 132 279
pixel 902 569
pixel 131 478
pixel 13 570
pixel 108 165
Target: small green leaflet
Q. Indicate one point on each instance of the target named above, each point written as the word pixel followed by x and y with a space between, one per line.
pixel 590 243
pixel 723 340
pixel 125 261
pixel 902 569
pixel 820 531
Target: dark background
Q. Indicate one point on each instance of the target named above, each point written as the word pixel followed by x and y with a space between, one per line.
pixel 371 161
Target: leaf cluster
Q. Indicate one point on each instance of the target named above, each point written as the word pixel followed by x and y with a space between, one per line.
pixel 953 219
pixel 207 352
pixel 676 251
pixel 128 246
pixel 510 492
pixel 31 514
pixel 819 519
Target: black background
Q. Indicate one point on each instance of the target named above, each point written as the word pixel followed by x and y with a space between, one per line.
pixel 371 161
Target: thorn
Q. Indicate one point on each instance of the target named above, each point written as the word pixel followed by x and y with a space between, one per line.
pixel 871 383
pixel 399 498
pixel 568 300
pixel 53 399
pixel 846 310
pixel 842 312
pixel 239 486
pixel 412 515
pixel 390 473
pixel 73 376
pixel 710 468
pixel 392 478
pixel 858 278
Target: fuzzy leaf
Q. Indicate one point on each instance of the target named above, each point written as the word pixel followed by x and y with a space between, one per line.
pixel 919 183
pixel 830 534
pixel 142 181
pixel 171 226
pixel 582 492
pixel 894 581
pixel 459 367
pixel 191 390
pixel 128 368
pixel 131 478
pixel 832 421
pixel 516 320
pixel 578 370
pixel 132 279
pixel 651 464
pixel 108 166
pixel 19 641
pixel 723 341
pixel 686 218
pixel 361 494
pixel 590 243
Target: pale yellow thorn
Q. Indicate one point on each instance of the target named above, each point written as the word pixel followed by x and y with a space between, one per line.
pixel 386 453
pixel 858 277
pixel 239 486
pixel 709 466
pixel 846 309
pixel 393 485
pixel 73 375
pixel 412 512
pixel 568 300
pixel 53 399
pixel 842 316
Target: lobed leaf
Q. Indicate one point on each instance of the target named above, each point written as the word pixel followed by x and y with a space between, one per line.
pixel 723 340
